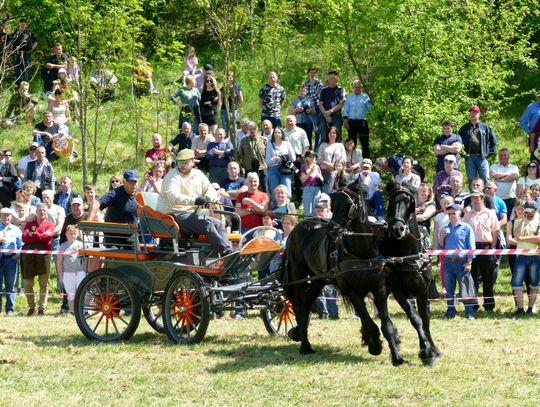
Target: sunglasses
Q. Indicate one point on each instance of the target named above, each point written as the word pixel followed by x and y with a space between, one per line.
pixel 7 155
pixel 531 166
pixel 210 82
pixel 115 181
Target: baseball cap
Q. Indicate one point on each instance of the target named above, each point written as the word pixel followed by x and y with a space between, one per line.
pixel 131 175
pixel 474 108
pixel 77 200
pixel 7 211
pixel 324 197
pixel 367 161
pixel 323 204
pixel 34 144
pixel 310 153
pixel 450 157
pixel 537 94
pixel 208 67
pixel 455 207
pixel 530 206
pixel 477 193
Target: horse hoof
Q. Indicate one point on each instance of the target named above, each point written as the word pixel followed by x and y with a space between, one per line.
pixel 293 334
pixel 437 352
pixel 428 361
pixel 306 350
pixel 399 362
pixel 375 348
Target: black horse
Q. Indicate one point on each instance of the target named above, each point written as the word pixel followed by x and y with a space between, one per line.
pixel 409 273
pixel 346 254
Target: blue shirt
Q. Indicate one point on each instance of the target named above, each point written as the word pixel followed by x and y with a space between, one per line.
pixel 356 106
pixel 216 161
pixel 530 116
pixel 122 207
pixel 442 140
pixel 13 237
pixel 461 237
pixel 500 207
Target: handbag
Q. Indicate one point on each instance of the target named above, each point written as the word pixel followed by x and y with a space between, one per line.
pixel 467 290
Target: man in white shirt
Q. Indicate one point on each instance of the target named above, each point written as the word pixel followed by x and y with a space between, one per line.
pixel 298 139
pixel 31 156
pixel 371 181
pixel 505 176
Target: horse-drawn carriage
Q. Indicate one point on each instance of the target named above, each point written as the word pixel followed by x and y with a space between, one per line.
pixel 177 282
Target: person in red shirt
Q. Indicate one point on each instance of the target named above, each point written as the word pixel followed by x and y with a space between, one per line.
pixel 159 152
pixel 37 235
pixel 251 201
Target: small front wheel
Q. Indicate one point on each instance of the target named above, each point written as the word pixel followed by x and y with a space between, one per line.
pixel 153 312
pixel 106 307
pixel 186 308
pixel 279 318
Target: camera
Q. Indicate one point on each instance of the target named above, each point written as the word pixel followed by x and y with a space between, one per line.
pixel 288 165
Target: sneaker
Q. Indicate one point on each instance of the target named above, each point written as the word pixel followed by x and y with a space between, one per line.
pixel 31 312
pixel 449 316
pixel 471 317
pixel 238 317
pixel 41 312
pixel 519 312
pixel 10 313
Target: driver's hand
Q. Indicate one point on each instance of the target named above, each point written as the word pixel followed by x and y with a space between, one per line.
pixel 202 200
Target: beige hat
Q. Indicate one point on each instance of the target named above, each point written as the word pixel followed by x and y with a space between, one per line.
pixel 185 154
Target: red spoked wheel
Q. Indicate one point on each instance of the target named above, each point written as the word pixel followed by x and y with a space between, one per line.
pixel 186 308
pixel 106 308
pixel 279 318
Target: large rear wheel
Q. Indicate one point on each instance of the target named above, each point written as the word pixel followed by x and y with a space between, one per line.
pixel 279 318
pixel 186 308
pixel 106 307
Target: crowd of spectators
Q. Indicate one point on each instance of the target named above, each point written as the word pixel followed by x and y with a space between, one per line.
pixel 269 176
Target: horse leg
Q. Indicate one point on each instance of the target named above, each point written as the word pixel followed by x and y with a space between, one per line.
pixel 370 331
pixel 381 301
pixel 304 297
pixel 422 301
pixel 426 351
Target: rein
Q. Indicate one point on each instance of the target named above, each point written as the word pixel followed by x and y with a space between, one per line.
pixel 411 214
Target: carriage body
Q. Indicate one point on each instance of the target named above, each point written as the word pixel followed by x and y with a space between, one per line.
pixel 176 281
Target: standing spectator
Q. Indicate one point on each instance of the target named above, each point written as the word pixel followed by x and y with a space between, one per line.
pixel 65 195
pixel 527 236
pixel 456 189
pixel 271 99
pixel 440 220
pixel 249 202
pixel 498 204
pixel 355 112
pixel 183 139
pixel 371 180
pixel 486 229
pixel 154 178
pixel 190 62
pixel 331 102
pixel 103 83
pixel 298 139
pixel 23 162
pixel 252 154
pixel 158 152
pixel 456 235
pixel 187 98
pixel 8 178
pixel 282 202
pixel 267 130
pixel 447 144
pixel 219 153
pixel 23 44
pixel 44 133
pixel 21 107
pixel 29 187
pixel 314 87
pixel 441 185
pixel 425 207
pixel 329 153
pixel 511 233
pixel 312 178
pixel 10 239
pixel 234 183
pixel 406 174
pixel 143 83
pixel 531 177
pixel 479 142
pixel 280 159
pixel 57 60
pixel 199 145
pixel 41 172
pixel 76 215
pixel 303 109
pixel 530 123
pixel 243 132
pixel 234 98
pixel 505 175
pixel 210 97
pixel 70 266
pixel 38 235
pixel 200 79
pixel 114 182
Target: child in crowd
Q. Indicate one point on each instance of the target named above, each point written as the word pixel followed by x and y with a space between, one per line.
pixel 439 221
pixel 312 180
pixel 70 266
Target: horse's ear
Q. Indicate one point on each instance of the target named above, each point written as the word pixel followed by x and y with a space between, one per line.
pixel 391 186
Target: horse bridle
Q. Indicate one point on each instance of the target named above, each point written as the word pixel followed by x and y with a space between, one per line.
pixel 356 206
pixel 412 205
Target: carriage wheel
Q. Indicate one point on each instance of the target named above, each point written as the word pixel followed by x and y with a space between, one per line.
pixel 186 308
pixel 279 318
pixel 153 313
pixel 106 308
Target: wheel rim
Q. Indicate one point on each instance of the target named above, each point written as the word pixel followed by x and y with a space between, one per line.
pixel 107 308
pixel 185 308
pixel 281 318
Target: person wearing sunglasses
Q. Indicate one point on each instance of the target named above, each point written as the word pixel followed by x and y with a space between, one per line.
pixel 210 97
pixel 8 176
pixel 531 177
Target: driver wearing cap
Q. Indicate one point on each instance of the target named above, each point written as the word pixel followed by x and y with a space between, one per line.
pixel 185 188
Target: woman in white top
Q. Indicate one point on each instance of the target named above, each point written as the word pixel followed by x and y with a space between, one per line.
pixel 406 174
pixel 155 179
pixel 329 153
pixel 59 108
pixel 280 157
pixel 529 179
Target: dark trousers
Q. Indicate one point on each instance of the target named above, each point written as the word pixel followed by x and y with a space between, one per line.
pixel 483 267
pixel 510 203
pixel 22 65
pixel 359 129
pixel 192 223
pixel 308 128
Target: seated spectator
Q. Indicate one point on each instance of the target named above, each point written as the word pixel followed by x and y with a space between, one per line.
pixel 102 82
pixel 63 144
pixel 393 164
pixel 234 183
pixel 407 175
pixel 282 203
pixel 531 177
pixel 44 132
pixel 456 190
pixel 183 139
pixel 21 107
pixel 441 185
pixel 340 178
pixel 23 162
pixel 59 107
pixel 154 178
pixel 353 157
pixel 219 153
pixel 73 70
pixel 142 77
pixel 251 203
pixel 371 180
pixel 329 153
pixel 158 152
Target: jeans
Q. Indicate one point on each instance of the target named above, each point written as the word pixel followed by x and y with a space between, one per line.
pixel 483 267
pixel 376 203
pixel 454 272
pixel 476 165
pixel 327 302
pixel 310 197
pixel 526 265
pixel 8 276
pixel 275 178
pixel 276 121
pixel 337 121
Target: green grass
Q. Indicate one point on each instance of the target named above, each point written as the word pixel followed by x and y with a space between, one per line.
pixel 490 361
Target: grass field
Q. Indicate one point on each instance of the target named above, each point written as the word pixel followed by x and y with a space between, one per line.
pixel 490 361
